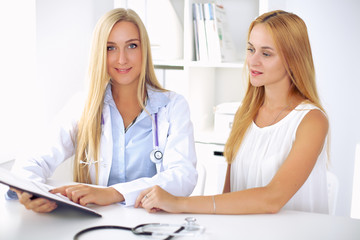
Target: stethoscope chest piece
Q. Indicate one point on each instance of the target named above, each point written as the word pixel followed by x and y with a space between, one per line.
pixel 156 156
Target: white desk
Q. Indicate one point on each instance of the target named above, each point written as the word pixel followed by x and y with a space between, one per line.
pixel 18 223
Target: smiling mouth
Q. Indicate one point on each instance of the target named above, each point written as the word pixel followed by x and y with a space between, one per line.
pixel 255 73
pixel 123 70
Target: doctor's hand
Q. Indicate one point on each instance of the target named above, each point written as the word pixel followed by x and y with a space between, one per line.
pixel 85 194
pixel 155 199
pixel 40 205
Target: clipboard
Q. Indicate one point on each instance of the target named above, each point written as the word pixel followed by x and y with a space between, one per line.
pixel 39 189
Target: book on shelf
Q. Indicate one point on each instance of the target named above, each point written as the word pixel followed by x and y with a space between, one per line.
pixel 227 46
pixel 196 39
pixel 201 48
pixel 213 35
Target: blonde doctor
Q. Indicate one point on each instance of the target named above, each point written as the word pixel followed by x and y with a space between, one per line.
pixel 129 135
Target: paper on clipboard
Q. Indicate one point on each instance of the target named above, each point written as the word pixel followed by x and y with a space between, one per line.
pixel 39 190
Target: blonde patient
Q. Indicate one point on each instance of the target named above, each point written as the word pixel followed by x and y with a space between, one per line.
pixel 276 151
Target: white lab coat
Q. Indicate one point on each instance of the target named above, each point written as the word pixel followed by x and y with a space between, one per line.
pixel 177 171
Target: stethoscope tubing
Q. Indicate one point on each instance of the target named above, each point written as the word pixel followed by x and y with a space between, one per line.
pixel 133 230
pixel 86 230
pixel 156 131
pixel 156 154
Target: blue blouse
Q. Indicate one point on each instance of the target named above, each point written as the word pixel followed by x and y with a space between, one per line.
pixel 131 149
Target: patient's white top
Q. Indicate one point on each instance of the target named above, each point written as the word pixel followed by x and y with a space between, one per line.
pixel 264 150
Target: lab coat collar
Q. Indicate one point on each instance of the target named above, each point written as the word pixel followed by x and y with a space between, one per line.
pixel 108 98
pixel 156 99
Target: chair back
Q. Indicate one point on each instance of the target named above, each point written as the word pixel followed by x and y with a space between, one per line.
pixel 333 189
pixel 200 185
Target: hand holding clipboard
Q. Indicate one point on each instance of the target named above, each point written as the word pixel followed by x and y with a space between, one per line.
pixel 33 189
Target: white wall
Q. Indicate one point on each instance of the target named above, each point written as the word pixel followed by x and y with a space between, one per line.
pixel 334 29
pixel 64 31
pixel 44 49
pixel 17 74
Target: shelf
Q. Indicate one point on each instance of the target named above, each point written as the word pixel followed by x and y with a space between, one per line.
pixel 216 65
pixel 169 64
pixel 180 64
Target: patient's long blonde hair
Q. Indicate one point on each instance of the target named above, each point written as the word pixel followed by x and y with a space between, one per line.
pixel 89 126
pixel 290 35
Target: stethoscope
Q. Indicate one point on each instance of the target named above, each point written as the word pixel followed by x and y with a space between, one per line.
pixel 156 155
pixel 189 228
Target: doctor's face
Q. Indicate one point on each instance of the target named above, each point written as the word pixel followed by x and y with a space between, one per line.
pixel 263 60
pixel 124 54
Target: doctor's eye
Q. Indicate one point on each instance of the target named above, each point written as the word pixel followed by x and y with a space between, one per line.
pixel 110 48
pixel 133 45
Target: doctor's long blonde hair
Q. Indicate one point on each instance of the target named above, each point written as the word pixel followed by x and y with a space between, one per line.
pixel 291 38
pixel 89 126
